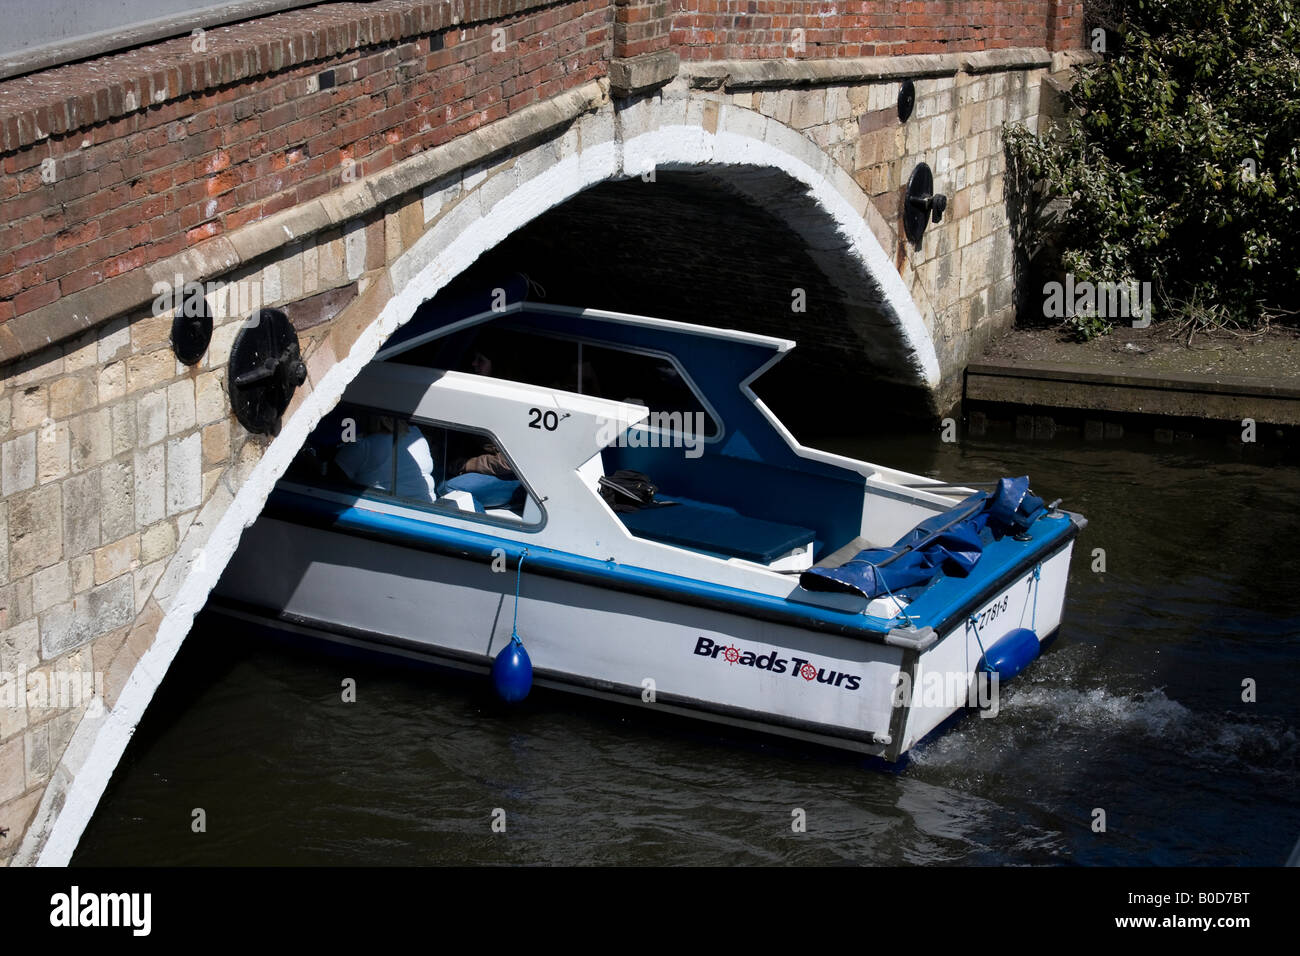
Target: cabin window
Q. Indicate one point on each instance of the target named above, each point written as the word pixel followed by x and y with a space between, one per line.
pixel 525 357
pixel 638 378
pixel 419 463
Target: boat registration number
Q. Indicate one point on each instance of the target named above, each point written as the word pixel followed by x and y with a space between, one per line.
pixel 993 611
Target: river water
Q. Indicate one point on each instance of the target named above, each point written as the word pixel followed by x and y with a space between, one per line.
pixel 1136 710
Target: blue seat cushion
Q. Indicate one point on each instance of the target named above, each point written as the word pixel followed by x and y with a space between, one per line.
pixel 716 529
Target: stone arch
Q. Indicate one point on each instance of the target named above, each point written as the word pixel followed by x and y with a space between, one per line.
pixel 764 157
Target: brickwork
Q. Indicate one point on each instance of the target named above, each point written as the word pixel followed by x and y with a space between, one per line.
pixel 111 180
pixel 779 29
pixel 641 26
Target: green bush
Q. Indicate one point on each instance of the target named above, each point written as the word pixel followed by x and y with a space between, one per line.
pixel 1179 160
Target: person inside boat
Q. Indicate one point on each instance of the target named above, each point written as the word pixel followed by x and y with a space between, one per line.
pixel 389 451
pixel 480 467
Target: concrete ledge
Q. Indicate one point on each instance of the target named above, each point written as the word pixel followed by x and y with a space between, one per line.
pixel 1069 59
pixel 767 74
pixel 1218 398
pixel 629 75
pixel 71 315
pixel 1016 58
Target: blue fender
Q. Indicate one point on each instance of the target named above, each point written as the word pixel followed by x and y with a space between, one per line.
pixel 1011 654
pixel 512 672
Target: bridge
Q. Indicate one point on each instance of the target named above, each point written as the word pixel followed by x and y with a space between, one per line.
pixel 736 162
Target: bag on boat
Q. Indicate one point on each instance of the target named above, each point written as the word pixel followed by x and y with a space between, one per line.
pixel 627 490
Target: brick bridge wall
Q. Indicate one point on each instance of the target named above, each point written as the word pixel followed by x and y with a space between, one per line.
pixel 346 161
pixel 764 29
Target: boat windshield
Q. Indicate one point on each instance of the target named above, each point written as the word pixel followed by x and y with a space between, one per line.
pixel 635 376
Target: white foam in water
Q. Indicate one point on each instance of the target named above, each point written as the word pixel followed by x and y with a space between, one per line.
pixel 1046 711
pixel 1099 710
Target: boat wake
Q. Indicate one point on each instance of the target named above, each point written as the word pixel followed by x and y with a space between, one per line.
pixel 1051 714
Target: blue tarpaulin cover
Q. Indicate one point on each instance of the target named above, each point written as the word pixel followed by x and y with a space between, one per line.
pixel 951 542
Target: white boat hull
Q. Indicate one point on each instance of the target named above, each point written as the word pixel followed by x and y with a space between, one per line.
pixel 875 696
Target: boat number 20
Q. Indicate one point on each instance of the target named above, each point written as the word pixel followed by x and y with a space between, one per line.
pixel 548 419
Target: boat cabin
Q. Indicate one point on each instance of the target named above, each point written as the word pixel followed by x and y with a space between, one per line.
pixel 513 421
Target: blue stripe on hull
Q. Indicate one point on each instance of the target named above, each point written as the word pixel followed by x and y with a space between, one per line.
pixel 936 609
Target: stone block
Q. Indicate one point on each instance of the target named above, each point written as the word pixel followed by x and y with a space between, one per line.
pixel 310 269
pixel 144 579
pixel 216 444
pixel 51 586
pixel 117 499
pixel 150 485
pixel 117 558
pixel 808 109
pixel 122 418
pixel 20 647
pixel 81 516
pixel 81 352
pixel 112 382
pixel 147 370
pixel 272 286
pixel 157 541
pixel 138 640
pixel 209 402
pixel 71 395
pixel 91 438
pixel 31 406
pixel 83 573
pixel 72 624
pixel 152 330
pixel 223 339
pixel 184 473
pixel 331 261
pixel 151 417
pixel 637 74
pixel 34 521
pixel 114 340
pixel 180 406
pixel 18 464
pixel 53 452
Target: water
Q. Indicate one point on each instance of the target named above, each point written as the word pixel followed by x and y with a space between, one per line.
pixel 1136 710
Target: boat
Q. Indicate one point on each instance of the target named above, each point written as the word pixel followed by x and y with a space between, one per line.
pixel 599 503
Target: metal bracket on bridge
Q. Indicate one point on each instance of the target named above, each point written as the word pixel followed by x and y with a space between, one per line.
pixel 191 326
pixel 921 204
pixel 906 100
pixel 265 368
